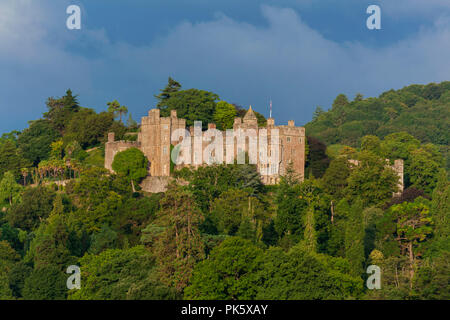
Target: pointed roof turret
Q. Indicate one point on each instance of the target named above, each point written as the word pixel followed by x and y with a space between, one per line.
pixel 250 115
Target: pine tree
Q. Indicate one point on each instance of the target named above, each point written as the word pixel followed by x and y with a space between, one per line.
pixel 354 238
pixel 9 188
pixel 440 209
pixel 310 236
pixel 179 246
pixel 171 87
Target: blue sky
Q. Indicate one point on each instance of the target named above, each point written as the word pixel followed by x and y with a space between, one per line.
pixel 302 53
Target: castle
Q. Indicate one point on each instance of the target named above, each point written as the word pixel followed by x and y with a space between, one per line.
pixel 155 140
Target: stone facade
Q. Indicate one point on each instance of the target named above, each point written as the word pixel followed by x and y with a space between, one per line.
pixel 154 140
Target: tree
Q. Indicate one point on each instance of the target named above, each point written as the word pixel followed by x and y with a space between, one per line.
pixel 9 188
pixel 47 283
pixel 178 244
pixel 106 238
pixel 36 205
pixel 131 123
pixel 8 258
pixel 317 113
pixel 50 245
pixel 413 226
pixel 224 115
pixel 423 170
pixel 358 97
pixel 166 93
pixel 89 128
pixel 290 207
pixel 339 103
pixel 354 239
pixel 228 273
pixel 317 160
pixel 192 105
pixel 335 177
pixel 371 143
pixel 303 275
pixel 371 180
pixel 11 159
pixel 208 182
pixel 120 274
pixel 98 196
pixel 61 110
pixel 237 210
pixel 440 209
pixel 5 291
pixel 310 191
pixel 309 235
pixel 399 145
pixel 16 277
pixel 132 163
pixel 431 281
pixel 116 109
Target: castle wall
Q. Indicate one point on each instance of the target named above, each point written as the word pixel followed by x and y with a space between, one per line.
pixel 154 140
pixel 113 147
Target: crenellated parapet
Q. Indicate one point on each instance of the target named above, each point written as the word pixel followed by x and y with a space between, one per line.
pixel 113 147
pixel 287 142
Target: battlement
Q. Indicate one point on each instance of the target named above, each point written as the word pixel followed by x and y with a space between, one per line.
pixel 113 147
pixel 155 142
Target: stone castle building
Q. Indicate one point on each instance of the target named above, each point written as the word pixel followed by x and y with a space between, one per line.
pixel 154 140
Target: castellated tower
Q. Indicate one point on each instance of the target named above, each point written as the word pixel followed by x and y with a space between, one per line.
pixel 154 138
pixel 154 141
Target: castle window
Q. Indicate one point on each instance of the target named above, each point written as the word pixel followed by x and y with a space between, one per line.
pixel 164 150
pixel 288 139
pixel 300 140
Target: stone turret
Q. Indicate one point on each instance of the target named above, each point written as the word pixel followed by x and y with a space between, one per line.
pixel 250 117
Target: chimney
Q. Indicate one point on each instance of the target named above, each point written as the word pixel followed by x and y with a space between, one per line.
pixel 291 123
pixel 173 113
pixel 270 122
pixel 211 126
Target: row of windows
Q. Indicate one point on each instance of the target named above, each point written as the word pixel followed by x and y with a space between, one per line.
pixel 288 139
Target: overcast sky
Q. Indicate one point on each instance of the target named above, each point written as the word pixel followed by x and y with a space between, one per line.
pixel 301 53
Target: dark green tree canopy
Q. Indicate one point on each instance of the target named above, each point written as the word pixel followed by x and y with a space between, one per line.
pixel 132 163
pixel 35 141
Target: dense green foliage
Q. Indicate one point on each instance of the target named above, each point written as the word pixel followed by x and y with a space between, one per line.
pixel 218 232
pixel 420 110
pixel 132 163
